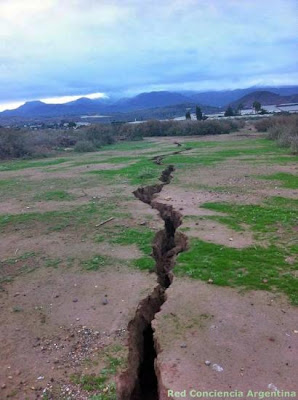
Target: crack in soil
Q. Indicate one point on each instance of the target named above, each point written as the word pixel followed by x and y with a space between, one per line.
pixel 140 381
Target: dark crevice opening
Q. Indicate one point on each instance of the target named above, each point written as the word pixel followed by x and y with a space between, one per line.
pixel 140 380
pixel 147 380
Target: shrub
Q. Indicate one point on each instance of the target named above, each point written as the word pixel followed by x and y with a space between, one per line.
pixel 263 124
pixel 84 146
pixel 13 144
pixel 284 129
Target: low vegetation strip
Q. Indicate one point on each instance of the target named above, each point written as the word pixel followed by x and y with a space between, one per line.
pixel 283 129
pixel 268 217
pixel 287 180
pixel 254 267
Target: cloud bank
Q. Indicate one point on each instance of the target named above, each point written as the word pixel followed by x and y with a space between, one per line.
pixel 52 48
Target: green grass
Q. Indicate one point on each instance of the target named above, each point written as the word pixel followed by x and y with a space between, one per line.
pixel 142 238
pixel 142 172
pixel 110 160
pixel 128 146
pixel 102 382
pixel 287 180
pixel 6 183
pixel 251 268
pixel 96 262
pixel 58 220
pixel 20 264
pixel 52 262
pixel 253 149
pixel 54 195
pixel 23 164
pixel 268 217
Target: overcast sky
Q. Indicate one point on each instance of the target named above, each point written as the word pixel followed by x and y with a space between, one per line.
pixel 52 48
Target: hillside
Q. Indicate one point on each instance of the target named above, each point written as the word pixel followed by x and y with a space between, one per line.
pixel 156 104
pixel 265 98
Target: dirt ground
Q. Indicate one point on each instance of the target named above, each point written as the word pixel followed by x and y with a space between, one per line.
pixel 60 321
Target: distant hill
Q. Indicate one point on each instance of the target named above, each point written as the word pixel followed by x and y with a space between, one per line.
pixel 223 98
pixel 143 101
pixel 265 98
pixel 151 104
pixel 152 100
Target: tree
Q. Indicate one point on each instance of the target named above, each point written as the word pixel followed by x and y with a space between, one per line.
pixel 187 115
pixel 199 113
pixel 239 108
pixel 229 112
pixel 257 106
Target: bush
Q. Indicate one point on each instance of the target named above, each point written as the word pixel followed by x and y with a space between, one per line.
pixel 263 124
pixel 13 144
pixel 186 128
pixel 99 135
pixel 284 130
pixel 84 146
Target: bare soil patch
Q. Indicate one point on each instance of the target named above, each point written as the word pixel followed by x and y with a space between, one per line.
pixel 250 335
pixel 48 314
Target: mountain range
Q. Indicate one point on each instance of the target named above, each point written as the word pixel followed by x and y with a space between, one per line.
pixel 160 101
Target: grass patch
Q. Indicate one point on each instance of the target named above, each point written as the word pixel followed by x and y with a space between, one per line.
pixel 54 195
pixel 251 268
pixel 95 263
pixel 52 262
pixel 287 180
pixel 207 156
pixel 268 217
pixel 7 183
pixel 142 238
pixel 142 172
pixel 102 382
pixel 59 220
pixel 130 146
pixel 23 164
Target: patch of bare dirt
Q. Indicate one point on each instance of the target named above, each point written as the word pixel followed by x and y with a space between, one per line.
pixel 48 173
pixel 251 336
pixel 55 321
pixel 214 232
pixel 62 245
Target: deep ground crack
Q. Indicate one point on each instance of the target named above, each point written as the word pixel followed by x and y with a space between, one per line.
pixel 140 379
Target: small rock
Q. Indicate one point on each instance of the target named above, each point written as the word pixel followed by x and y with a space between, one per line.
pixel 210 280
pixel 16 294
pixel 77 319
pixel 75 300
pixel 10 377
pixel 183 345
pixel 207 362
pixel 271 386
pixel 3 386
pixel 231 239
pixel 104 301
pixel 265 280
pixel 217 368
pixel 40 378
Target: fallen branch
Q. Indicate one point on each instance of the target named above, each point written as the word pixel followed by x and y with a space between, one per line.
pixel 104 222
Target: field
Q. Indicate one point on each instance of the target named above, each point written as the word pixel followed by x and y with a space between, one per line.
pixel 76 262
